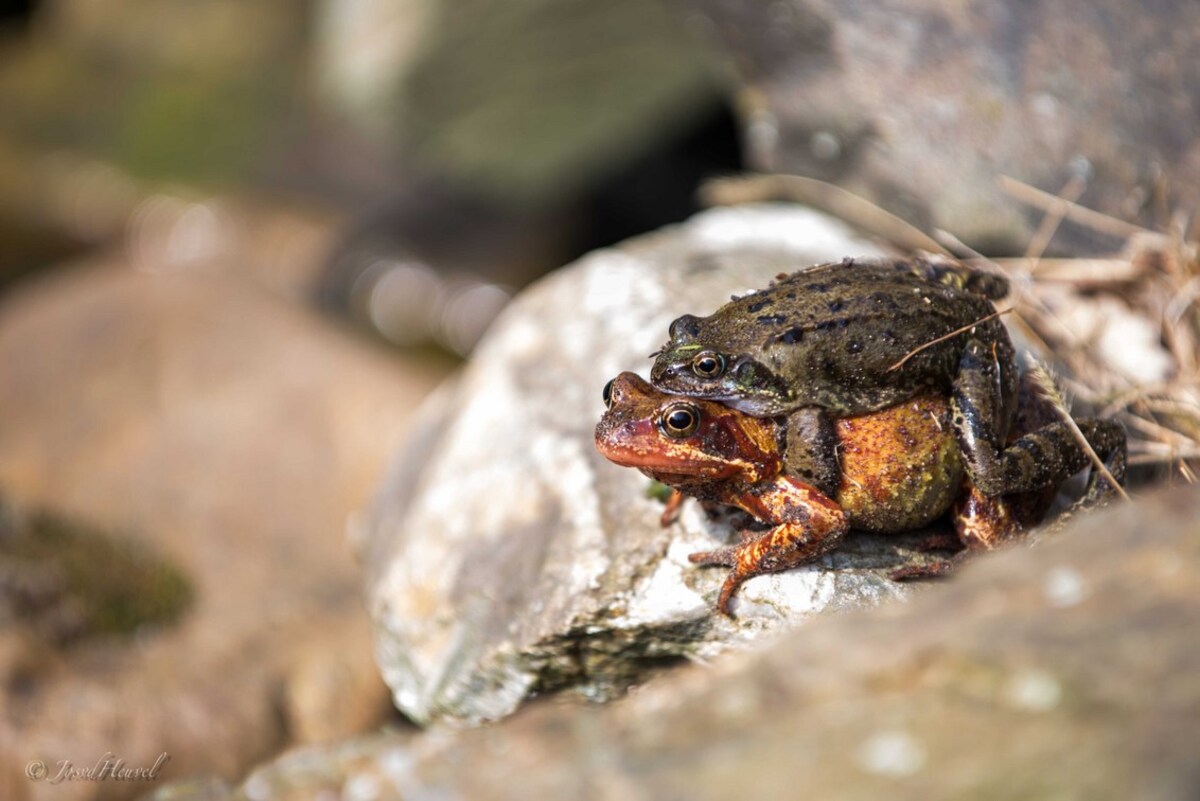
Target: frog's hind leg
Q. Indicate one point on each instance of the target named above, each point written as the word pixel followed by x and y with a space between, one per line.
pixel 1050 455
pixel 984 402
pixel 985 522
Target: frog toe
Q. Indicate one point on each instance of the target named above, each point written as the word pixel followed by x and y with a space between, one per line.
pixel 671 510
pixel 724 557
pixel 732 582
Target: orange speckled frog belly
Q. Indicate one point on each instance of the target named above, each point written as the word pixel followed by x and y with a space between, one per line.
pixel 901 467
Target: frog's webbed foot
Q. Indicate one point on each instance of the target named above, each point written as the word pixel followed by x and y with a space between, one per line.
pixel 741 569
pixel 767 553
pixel 982 403
pixel 723 557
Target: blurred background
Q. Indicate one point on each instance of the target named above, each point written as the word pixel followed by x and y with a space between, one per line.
pixel 241 242
pixel 448 153
pixel 407 164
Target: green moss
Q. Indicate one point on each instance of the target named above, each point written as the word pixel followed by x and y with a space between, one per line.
pixel 658 491
pixel 69 581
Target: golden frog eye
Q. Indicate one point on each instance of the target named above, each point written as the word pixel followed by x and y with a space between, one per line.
pixel 608 393
pixel 679 420
pixel 708 364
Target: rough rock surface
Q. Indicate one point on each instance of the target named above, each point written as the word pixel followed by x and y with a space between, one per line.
pixel 922 106
pixel 506 557
pixel 231 434
pixel 1068 671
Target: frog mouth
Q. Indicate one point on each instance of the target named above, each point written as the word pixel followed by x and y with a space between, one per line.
pixel 753 405
pixel 675 471
pixel 756 402
pixel 665 468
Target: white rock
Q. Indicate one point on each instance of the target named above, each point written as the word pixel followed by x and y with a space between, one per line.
pixel 506 556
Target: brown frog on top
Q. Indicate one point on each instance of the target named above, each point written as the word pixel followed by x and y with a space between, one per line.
pixel 900 468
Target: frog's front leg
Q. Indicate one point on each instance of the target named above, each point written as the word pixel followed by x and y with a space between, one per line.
pixel 811 449
pixel 807 524
pixel 983 406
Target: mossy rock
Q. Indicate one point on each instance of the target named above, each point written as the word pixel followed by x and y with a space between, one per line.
pixel 68 581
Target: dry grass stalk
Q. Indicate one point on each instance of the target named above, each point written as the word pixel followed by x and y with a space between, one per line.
pixel 1045 384
pixel 944 337
pixel 839 202
pixel 1157 279
pixel 1048 202
pixel 1053 219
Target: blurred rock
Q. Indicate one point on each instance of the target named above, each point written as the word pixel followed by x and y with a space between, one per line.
pixel 506 557
pixel 162 88
pixel 528 133
pixel 63 582
pixel 526 102
pixel 208 788
pixel 231 434
pixel 1063 671
pixel 524 105
pixel 331 689
pixel 477 145
pixel 920 107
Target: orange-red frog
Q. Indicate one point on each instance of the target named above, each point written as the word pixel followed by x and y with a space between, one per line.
pixel 900 469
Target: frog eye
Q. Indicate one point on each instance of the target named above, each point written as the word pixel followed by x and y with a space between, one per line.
pixel 685 327
pixel 679 420
pixel 708 364
pixel 608 394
